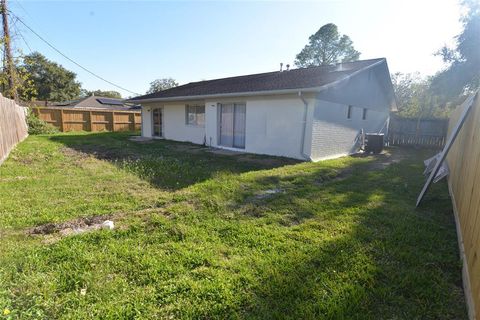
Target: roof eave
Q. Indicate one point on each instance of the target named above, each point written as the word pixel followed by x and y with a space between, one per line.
pixel 227 95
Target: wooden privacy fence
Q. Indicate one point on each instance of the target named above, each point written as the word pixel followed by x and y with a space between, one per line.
pixel 69 119
pixel 13 126
pixel 464 186
pixel 417 132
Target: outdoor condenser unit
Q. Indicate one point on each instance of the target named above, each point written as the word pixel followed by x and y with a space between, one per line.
pixel 374 142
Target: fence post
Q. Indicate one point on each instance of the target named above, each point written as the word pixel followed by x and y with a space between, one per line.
pixel 62 124
pixel 113 121
pixel 90 120
pixel 132 122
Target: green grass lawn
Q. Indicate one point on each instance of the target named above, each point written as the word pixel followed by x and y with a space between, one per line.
pixel 201 235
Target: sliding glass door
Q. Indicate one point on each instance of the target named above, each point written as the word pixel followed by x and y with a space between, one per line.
pixel 232 125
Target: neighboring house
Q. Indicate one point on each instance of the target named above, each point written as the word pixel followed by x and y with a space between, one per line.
pixel 312 113
pixel 95 102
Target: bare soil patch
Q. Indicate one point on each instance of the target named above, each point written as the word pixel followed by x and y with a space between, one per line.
pixel 69 227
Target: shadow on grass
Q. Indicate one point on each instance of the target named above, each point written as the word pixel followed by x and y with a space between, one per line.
pixel 165 164
pixel 356 247
pixel 327 243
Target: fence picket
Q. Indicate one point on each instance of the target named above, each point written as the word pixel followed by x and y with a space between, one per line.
pixel 464 186
pixel 13 126
pixel 69 119
pixel 414 132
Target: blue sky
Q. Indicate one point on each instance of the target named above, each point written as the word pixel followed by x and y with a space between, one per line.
pixel 132 43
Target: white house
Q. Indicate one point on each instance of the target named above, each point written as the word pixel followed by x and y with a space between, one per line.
pixel 310 113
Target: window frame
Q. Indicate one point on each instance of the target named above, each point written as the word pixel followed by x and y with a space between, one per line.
pixel 198 109
pixel 349 112
pixel 364 114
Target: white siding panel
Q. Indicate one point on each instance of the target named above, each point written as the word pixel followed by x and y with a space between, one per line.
pixel 333 135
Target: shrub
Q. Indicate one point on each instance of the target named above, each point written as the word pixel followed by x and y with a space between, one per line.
pixel 38 126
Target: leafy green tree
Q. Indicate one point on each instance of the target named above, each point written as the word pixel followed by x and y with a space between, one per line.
pixel 51 81
pixel 162 84
pixel 414 99
pixel 101 93
pixel 24 85
pixel 327 46
pixel 462 73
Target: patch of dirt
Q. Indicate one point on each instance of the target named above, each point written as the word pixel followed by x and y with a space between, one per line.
pixel 69 227
pixel 72 153
pixel 100 152
pixel 380 162
pixel 384 159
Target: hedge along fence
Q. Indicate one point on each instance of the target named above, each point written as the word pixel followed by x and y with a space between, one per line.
pixel 417 132
pixel 464 186
pixel 13 126
pixel 69 119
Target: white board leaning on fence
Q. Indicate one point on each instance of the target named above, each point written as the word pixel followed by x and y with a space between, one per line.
pixel 468 106
pixel 13 126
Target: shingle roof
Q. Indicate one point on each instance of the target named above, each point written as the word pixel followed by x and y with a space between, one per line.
pixel 95 102
pixel 303 78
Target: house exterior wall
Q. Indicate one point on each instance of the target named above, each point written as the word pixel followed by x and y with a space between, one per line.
pixel 333 135
pixel 274 125
pixel 174 124
pixel 176 128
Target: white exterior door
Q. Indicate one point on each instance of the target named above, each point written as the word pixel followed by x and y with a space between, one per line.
pixel 232 125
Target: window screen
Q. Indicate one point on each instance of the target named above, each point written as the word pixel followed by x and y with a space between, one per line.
pixel 195 115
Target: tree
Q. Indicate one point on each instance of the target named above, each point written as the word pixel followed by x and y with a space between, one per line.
pixel 162 84
pixel 51 81
pixel 461 74
pixel 327 47
pixel 413 97
pixel 101 93
pixel 24 85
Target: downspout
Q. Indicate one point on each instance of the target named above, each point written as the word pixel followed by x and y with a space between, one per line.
pixel 304 127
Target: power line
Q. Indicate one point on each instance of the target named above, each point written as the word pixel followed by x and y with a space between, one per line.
pixel 19 34
pixel 69 59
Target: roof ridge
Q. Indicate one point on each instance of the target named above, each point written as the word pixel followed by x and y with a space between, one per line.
pixel 279 72
pixel 307 77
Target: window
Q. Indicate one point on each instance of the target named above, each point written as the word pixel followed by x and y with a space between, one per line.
pixel 349 112
pixel 364 114
pixel 195 115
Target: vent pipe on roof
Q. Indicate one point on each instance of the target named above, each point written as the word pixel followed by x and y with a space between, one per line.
pixel 281 66
pixel 288 67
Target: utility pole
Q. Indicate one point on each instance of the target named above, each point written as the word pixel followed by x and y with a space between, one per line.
pixel 8 64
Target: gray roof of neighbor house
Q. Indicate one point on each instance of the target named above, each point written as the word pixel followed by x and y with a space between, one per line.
pixel 264 83
pixel 95 102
